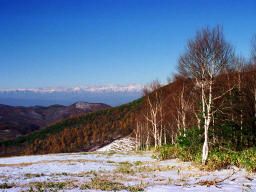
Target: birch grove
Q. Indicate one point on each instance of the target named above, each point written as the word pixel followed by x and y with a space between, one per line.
pixel 210 103
pixel 206 56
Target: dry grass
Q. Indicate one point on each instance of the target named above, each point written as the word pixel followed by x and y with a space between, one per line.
pixel 70 162
pixel 97 183
pixel 6 186
pixel 214 182
pixel 29 175
pixel 51 186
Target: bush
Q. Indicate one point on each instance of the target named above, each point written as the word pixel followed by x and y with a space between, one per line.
pixel 247 159
pixel 172 151
pixel 192 139
pixel 217 159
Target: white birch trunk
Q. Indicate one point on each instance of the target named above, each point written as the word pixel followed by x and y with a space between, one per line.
pixel 207 115
pixel 136 136
pixel 165 140
pixel 148 136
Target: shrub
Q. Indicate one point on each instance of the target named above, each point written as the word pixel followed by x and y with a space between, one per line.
pixel 172 151
pixel 192 139
pixel 217 159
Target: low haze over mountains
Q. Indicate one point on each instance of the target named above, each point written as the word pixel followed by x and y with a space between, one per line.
pixel 111 94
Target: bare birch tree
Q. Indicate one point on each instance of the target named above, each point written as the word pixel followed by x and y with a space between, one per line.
pixel 155 111
pixel 206 56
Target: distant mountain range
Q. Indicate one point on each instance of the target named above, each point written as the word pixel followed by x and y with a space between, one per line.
pixel 16 121
pixel 111 94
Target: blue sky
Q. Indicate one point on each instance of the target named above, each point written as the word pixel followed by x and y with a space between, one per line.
pixel 48 43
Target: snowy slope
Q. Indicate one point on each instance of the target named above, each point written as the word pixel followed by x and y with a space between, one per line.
pixel 124 144
pixel 69 172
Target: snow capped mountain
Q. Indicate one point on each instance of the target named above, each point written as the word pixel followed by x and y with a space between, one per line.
pixel 109 94
pixel 113 88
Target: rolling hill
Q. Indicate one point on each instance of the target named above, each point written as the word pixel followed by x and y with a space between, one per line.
pixel 86 132
pixel 17 121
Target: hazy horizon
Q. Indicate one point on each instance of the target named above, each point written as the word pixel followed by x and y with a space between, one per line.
pixel 112 95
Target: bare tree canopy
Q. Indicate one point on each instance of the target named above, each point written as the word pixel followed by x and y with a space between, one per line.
pixel 209 49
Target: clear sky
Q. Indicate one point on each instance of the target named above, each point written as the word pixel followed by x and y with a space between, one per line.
pixel 48 43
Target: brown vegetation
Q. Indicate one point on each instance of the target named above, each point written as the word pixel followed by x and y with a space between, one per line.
pixel 81 133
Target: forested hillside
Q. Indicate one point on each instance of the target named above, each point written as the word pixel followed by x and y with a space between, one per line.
pixel 17 121
pixel 175 111
pixel 81 133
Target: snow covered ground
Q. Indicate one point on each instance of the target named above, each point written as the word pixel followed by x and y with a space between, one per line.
pixel 110 171
pixel 123 144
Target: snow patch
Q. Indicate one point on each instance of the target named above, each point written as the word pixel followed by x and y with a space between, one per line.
pixel 157 176
pixel 124 144
pixel 82 105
